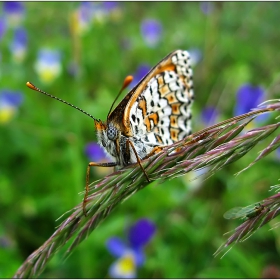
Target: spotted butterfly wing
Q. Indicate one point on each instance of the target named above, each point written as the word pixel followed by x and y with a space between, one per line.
pixel 162 109
pixel 153 114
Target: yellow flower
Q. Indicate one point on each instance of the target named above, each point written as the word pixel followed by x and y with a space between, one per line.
pixel 124 267
pixel 9 102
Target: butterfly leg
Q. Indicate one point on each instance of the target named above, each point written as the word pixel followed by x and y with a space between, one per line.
pixel 102 164
pixel 137 157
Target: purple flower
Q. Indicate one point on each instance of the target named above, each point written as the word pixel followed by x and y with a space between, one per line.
pixel 151 31
pixel 130 256
pixel 3 27
pixel 195 55
pixel 94 152
pixel 91 12
pixel 110 5
pixel 100 11
pixel 206 7
pixel 14 12
pixel 80 18
pixel 141 233
pixel 249 97
pixel 10 98
pixel 209 115
pixel 13 7
pixel 85 9
pixel 20 36
pixel 83 17
pixel 140 73
pixel 9 102
pixel 49 56
pixel 19 44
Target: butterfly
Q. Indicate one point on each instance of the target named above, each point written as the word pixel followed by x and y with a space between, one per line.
pixel 154 114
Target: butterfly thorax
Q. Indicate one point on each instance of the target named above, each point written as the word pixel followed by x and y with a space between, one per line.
pixel 119 146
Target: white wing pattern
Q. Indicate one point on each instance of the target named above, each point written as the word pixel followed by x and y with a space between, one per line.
pixel 161 114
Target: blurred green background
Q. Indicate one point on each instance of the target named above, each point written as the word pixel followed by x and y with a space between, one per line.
pixel 81 52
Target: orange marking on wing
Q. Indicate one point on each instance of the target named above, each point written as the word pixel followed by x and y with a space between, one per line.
pixel 154 118
pixel 159 139
pixel 164 90
pixel 143 106
pixel 147 124
pixel 175 109
pixel 164 65
pixel 171 97
pixel 170 67
pixel 160 81
pixel 174 133
pixel 174 121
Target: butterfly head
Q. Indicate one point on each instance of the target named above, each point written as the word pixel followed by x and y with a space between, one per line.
pixel 107 133
pixel 108 129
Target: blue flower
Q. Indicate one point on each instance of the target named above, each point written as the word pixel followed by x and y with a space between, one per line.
pixel 106 10
pixel 13 7
pixel 141 233
pixel 19 44
pixel 9 102
pixel 209 115
pixel 88 13
pixel 14 12
pixel 48 65
pixel 249 97
pixel 206 7
pixel 110 6
pixel 3 27
pixel 140 73
pixel 96 153
pixel 81 18
pixel 195 55
pixel 130 256
pixel 151 31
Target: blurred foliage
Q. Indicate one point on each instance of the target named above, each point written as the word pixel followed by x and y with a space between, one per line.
pixel 43 163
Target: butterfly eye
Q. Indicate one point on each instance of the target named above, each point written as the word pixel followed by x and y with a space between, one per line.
pixel 112 132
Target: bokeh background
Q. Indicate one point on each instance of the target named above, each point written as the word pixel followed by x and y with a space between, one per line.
pixel 81 52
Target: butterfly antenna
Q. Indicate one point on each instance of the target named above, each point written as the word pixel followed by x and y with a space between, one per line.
pixel 31 86
pixel 126 83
